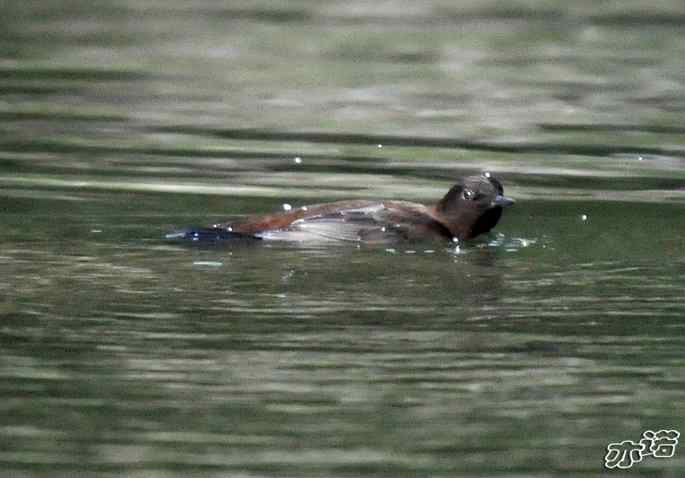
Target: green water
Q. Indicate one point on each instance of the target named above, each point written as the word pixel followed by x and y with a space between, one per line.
pixel 524 353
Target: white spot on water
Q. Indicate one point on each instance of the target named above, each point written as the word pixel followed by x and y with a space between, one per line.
pixel 297 160
pixel 640 158
pixel 429 251
pixel 382 229
pixel 583 217
pixel 208 263
pixel 230 229
pixel 380 146
pixel 487 174
pixel 287 207
pixel 96 230
pixel 304 208
pixel 391 251
pixel 411 251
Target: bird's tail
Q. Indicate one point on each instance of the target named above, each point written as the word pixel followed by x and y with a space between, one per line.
pixel 209 235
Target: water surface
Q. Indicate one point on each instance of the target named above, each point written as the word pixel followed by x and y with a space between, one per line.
pixel 523 353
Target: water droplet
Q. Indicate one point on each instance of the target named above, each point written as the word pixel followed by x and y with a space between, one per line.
pixel 287 207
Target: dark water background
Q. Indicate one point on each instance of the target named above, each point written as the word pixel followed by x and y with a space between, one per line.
pixel 522 354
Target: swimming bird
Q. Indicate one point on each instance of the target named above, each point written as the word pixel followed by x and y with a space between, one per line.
pixel 471 207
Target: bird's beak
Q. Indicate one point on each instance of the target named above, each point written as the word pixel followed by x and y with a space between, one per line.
pixel 503 201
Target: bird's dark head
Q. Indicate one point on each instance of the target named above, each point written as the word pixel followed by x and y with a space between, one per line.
pixel 473 206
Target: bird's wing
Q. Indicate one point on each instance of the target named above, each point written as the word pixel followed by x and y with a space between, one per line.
pixel 369 223
pixel 377 222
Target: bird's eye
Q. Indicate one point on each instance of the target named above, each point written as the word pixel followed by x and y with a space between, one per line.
pixel 468 194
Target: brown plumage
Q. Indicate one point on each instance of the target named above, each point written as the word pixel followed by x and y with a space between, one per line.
pixel 471 207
